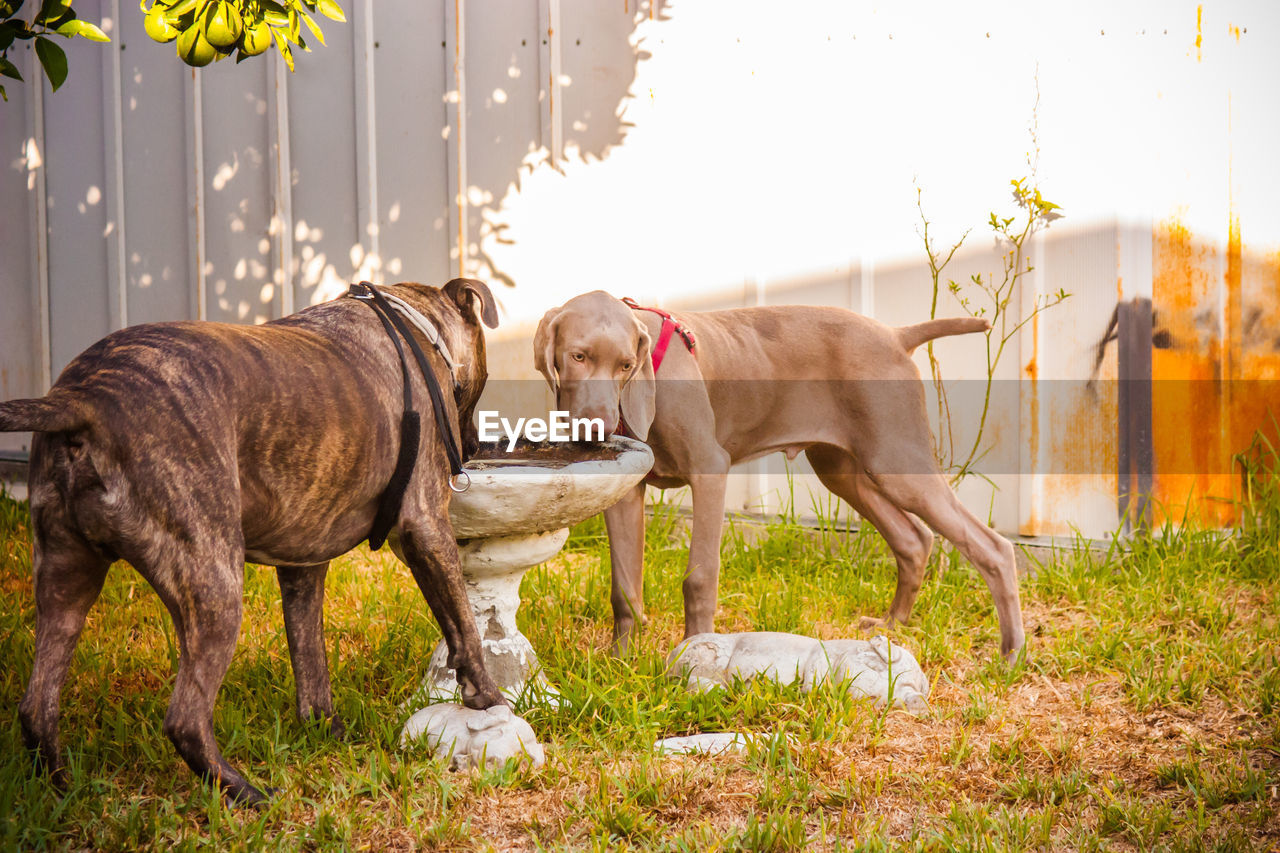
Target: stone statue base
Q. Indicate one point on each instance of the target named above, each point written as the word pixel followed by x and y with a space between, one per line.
pixel 875 669
pixel 469 738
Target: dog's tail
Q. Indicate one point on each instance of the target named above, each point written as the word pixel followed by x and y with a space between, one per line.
pixel 913 336
pixel 57 412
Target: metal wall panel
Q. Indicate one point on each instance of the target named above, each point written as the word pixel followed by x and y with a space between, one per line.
pixel 1068 439
pixel 237 146
pixel 76 178
pixel 597 64
pixel 157 245
pixel 503 123
pixel 411 131
pixel 20 327
pixel 327 245
pixel 420 143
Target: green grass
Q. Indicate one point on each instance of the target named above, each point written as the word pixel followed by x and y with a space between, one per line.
pixel 1146 716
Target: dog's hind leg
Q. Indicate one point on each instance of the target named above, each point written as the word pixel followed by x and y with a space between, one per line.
pixel 427 546
pixel 202 590
pixel 906 537
pixel 302 598
pixel 928 496
pixel 625 523
pixel 68 578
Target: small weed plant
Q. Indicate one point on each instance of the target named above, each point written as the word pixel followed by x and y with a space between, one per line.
pixel 991 296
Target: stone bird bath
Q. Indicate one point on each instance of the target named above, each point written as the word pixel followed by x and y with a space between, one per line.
pixel 515 515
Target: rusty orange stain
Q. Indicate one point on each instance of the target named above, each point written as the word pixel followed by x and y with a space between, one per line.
pixel 1183 285
pixel 1031 369
pixel 1033 438
pixel 1187 413
pixel 1219 383
pixel 1077 450
pixel 1256 403
pixel 1084 449
pixel 1233 314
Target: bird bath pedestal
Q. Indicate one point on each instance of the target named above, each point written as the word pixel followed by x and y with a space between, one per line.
pixel 516 515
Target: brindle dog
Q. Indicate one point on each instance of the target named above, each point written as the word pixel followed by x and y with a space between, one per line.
pixel 187 448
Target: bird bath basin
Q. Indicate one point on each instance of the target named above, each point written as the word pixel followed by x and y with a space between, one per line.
pixel 516 515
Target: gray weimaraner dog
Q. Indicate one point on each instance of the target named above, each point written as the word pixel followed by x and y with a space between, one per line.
pixel 839 386
pixel 187 448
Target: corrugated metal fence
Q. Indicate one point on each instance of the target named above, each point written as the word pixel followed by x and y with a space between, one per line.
pixel 144 190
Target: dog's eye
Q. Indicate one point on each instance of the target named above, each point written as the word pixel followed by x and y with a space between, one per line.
pixel 577 356
pixel 627 365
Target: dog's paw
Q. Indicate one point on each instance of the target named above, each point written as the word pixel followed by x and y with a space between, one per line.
pixel 871 624
pixel 247 796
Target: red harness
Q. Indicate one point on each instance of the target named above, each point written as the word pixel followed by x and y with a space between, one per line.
pixel 669 324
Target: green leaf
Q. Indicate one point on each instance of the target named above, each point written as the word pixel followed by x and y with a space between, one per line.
pixel 6 37
pixel 19 29
pixel 331 10
pixel 177 10
pixel 8 69
pixel 4 94
pixel 274 14
pixel 84 29
pixel 52 10
pixel 311 25
pixel 283 47
pixel 54 61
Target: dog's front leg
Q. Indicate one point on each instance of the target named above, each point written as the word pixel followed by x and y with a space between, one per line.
pixel 432 556
pixel 702 581
pixel 625 523
pixel 302 598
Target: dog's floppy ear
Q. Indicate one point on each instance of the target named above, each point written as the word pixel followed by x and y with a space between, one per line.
pixel 544 348
pixel 638 391
pixel 460 290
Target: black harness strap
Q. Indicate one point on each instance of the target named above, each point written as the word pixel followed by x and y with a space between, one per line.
pixel 410 422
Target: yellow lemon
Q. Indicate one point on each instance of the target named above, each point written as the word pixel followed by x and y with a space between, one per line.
pixel 257 38
pixel 157 27
pixel 194 48
pixel 222 25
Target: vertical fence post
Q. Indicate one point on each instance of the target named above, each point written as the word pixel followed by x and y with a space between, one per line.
pixel 456 94
pixel 37 186
pixel 367 214
pixel 550 69
pixel 195 193
pixel 113 114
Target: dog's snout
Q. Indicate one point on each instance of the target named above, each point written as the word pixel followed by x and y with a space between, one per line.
pixel 608 421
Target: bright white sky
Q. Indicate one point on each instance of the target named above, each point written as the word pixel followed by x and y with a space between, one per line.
pixel 774 140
